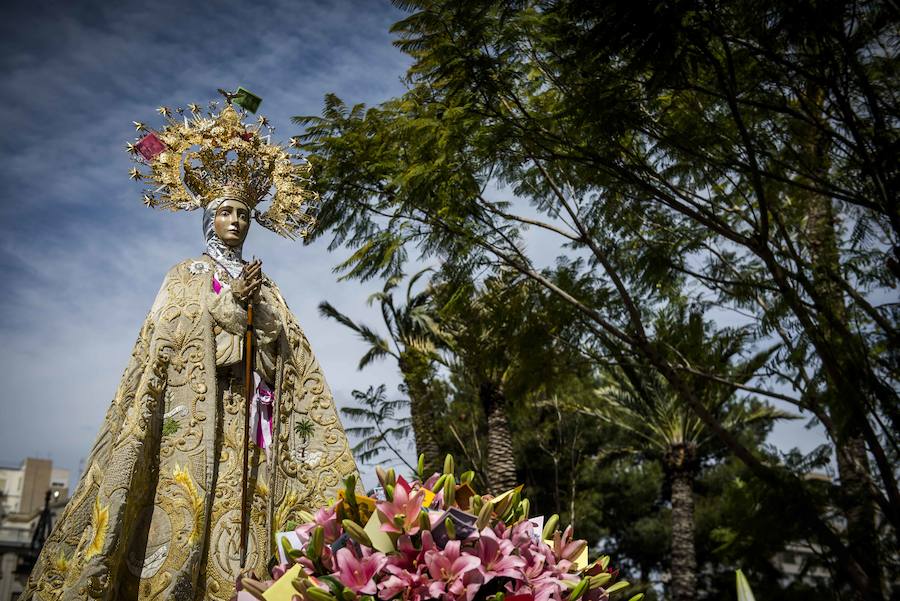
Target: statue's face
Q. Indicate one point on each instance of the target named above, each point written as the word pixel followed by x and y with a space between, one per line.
pixel 232 222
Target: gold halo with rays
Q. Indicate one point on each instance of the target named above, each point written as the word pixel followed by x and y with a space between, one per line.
pixel 204 157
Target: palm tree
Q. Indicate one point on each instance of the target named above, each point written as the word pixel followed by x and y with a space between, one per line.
pixel 304 429
pixel 412 340
pixel 375 408
pixel 638 399
pixel 495 340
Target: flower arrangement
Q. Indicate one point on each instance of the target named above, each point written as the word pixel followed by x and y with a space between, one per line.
pixel 433 539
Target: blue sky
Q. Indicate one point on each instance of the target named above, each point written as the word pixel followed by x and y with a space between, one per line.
pixel 83 258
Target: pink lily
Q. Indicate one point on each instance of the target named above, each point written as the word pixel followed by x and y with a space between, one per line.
pixel 564 548
pixel 408 556
pixel 327 519
pixel 279 570
pixel 522 535
pixel 538 576
pixel 402 514
pixel 357 574
pixel 326 559
pixel 448 569
pixel 412 584
pixel 496 557
pixel 544 589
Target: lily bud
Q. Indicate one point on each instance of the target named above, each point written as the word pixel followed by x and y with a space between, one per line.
pixel 524 508
pixel 451 529
pixel 600 579
pixel 550 526
pixel 484 516
pixel 448 464
pixel 356 532
pixel 424 521
pixel 618 586
pixel 449 490
pixel 316 541
pixel 579 590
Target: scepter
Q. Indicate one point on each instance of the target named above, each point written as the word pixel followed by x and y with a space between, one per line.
pixel 248 396
pixel 250 102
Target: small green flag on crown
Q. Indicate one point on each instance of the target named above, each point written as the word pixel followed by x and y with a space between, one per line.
pixel 247 99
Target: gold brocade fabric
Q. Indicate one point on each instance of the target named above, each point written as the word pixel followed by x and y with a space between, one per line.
pixel 157 512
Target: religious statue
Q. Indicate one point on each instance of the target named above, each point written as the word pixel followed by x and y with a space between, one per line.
pixel 158 511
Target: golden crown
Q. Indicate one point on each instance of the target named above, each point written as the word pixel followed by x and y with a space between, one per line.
pixel 195 160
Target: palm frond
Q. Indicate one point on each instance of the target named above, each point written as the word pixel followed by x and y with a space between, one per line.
pixel 326 309
pixel 374 353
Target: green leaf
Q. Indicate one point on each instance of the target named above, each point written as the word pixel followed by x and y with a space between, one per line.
pixel 744 593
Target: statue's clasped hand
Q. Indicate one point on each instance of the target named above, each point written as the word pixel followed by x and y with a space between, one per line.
pixel 246 287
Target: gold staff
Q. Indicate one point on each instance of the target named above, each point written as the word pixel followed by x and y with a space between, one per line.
pixel 248 396
pixel 252 280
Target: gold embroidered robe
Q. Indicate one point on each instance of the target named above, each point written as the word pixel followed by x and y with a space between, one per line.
pixel 156 514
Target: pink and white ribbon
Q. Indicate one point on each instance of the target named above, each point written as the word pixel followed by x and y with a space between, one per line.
pixel 261 413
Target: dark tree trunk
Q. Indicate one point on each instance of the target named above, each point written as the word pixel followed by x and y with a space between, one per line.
pixel 857 507
pixel 501 462
pixel 684 562
pixel 415 371
pixel 852 458
pixel 681 465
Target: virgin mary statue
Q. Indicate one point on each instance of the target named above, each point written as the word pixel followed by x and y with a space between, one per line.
pixel 157 513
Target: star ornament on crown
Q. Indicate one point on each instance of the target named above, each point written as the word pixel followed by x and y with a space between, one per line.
pixel 196 159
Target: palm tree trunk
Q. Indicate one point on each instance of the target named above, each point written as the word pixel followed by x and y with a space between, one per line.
pixel 683 569
pixel 415 371
pixel 501 462
pixel 422 422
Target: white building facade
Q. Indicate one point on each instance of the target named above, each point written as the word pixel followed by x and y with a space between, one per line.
pixel 24 491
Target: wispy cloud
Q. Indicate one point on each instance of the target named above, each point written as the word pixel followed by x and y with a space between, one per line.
pixel 83 258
